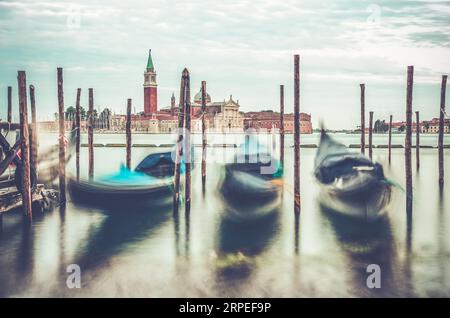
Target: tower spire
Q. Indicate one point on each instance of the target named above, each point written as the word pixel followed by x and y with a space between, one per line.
pixel 150 87
pixel 150 67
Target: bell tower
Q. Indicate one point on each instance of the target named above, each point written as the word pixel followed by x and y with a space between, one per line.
pixel 150 87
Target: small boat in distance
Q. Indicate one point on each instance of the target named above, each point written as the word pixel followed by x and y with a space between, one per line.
pixel 350 183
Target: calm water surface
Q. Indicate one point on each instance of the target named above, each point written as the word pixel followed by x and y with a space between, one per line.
pixel 152 253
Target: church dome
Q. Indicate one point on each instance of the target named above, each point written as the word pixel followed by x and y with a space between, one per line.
pixel 198 97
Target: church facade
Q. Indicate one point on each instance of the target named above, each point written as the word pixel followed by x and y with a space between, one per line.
pixel 221 116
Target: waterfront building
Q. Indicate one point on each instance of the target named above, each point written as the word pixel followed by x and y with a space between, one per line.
pixel 265 120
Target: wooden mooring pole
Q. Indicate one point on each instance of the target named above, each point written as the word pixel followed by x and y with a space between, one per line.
pixel 34 132
pixel 62 149
pixel 390 139
pixel 204 141
pixel 363 118
pixel 25 146
pixel 370 134
pixel 408 168
pixel 179 147
pixel 441 130
pixel 282 126
pixel 187 140
pixel 9 115
pixel 297 134
pixel 417 141
pixel 77 133
pixel 91 134
pixel 128 132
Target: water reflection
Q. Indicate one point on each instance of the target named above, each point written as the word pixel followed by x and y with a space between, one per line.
pixel 119 231
pixel 187 219
pixel 137 252
pixel 17 232
pixel 238 244
pixel 364 243
pixel 296 232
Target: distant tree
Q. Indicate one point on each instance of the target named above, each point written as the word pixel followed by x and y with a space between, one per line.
pixel 401 128
pixel 83 115
pixel 380 126
pixel 105 116
pixel 69 114
pixel 71 111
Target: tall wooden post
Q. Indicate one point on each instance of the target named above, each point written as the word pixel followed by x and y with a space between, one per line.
pixel 204 141
pixel 9 115
pixel 363 118
pixel 390 139
pixel 91 134
pixel 441 130
pixel 179 147
pixel 34 132
pixel 25 146
pixel 282 126
pixel 370 134
pixel 417 140
pixel 408 169
pixel 62 149
pixel 77 133
pixel 297 134
pixel 187 139
pixel 128 132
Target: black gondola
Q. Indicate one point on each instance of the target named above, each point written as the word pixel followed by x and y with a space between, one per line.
pixel 162 164
pixel 251 186
pixel 350 182
pixel 122 190
pixel 158 164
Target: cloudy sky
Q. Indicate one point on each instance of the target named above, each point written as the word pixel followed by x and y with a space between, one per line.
pixel 240 47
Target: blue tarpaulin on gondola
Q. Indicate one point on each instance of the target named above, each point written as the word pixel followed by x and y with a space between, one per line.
pixel 127 177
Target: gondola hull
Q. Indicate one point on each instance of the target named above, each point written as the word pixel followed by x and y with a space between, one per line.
pixel 350 183
pixel 248 196
pixel 122 190
pixel 367 205
pixel 119 197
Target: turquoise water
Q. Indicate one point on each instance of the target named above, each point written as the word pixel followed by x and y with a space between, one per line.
pixel 152 253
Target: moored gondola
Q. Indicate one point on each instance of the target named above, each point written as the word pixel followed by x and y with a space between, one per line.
pixel 161 164
pixel 251 185
pixel 350 183
pixel 122 190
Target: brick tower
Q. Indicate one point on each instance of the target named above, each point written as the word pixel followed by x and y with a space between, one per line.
pixel 150 87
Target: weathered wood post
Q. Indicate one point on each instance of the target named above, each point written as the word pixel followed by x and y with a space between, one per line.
pixel 34 132
pixel 297 134
pixel 9 115
pixel 62 149
pixel 204 141
pixel 408 169
pixel 128 132
pixel 417 141
pixel 441 130
pixel 370 134
pixel 24 146
pixel 77 133
pixel 179 147
pixel 91 134
pixel 187 139
pixel 363 118
pixel 390 139
pixel 282 126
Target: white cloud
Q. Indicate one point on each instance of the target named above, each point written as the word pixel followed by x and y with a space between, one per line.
pixel 243 47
